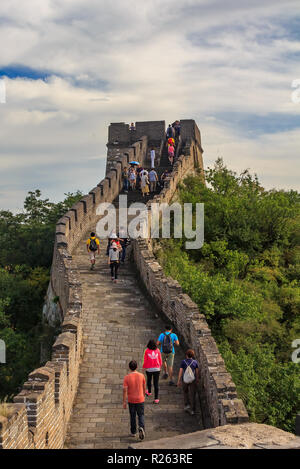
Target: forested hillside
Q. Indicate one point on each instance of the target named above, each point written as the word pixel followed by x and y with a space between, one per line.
pixel 26 249
pixel 246 280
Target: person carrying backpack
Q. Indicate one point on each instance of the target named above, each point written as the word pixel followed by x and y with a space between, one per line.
pixel 170 132
pixel 93 246
pixel 189 378
pixel 167 340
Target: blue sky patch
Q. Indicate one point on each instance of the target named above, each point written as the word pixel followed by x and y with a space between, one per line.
pixel 21 71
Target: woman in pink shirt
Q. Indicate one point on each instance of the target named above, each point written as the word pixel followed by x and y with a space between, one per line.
pixel 152 364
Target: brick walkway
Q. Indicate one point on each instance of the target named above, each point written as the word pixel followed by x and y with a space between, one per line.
pixel 118 321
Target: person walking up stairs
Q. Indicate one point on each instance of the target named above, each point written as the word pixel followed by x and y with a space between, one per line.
pixel 93 246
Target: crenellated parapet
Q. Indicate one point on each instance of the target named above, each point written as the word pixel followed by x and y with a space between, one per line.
pixel 39 416
pixel 40 413
pixel 220 404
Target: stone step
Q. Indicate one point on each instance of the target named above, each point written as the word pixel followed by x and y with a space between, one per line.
pixel 118 321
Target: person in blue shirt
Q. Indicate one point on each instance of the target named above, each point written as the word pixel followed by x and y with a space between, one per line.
pixel 167 340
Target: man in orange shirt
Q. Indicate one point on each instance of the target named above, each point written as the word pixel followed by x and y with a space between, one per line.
pixel 134 389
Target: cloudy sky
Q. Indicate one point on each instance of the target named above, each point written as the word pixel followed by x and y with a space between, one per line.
pixel 73 66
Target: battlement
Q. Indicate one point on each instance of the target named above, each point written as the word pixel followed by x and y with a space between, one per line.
pixel 41 412
pixel 119 133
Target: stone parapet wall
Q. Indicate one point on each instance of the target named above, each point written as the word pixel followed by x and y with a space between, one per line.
pixel 41 410
pixel 120 134
pixel 136 151
pixel 39 416
pixel 40 413
pixel 220 405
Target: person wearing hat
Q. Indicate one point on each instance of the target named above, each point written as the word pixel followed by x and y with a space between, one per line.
pixel 114 260
pixel 113 238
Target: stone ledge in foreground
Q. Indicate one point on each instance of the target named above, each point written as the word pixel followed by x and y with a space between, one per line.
pixel 243 436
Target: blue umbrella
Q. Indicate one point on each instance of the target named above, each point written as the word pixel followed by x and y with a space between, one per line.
pixel 134 162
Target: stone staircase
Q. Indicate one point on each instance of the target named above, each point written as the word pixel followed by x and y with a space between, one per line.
pixel 118 322
pixel 164 161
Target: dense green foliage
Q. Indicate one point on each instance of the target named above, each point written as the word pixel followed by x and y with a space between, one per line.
pixel 246 280
pixel 26 249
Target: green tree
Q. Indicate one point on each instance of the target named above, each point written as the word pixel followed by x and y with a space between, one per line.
pixel 246 281
pixel 26 249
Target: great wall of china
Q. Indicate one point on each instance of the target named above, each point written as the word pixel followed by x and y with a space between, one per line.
pixel 74 401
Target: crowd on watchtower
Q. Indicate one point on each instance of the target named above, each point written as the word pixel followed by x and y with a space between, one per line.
pixel 148 181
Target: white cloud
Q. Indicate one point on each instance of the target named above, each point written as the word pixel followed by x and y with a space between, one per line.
pixel 128 61
pixel 273 157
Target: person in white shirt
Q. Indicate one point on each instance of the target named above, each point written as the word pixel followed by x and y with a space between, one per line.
pixel 153 178
pixel 144 172
pixel 114 261
pixel 152 155
pixel 144 183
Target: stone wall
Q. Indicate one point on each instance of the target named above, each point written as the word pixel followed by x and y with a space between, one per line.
pixel 136 151
pixel 40 413
pixel 119 133
pixel 219 402
pixel 134 142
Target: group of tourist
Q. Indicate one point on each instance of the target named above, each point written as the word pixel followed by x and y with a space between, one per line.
pixel 135 177
pixel 138 178
pixel 159 354
pixel 115 250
